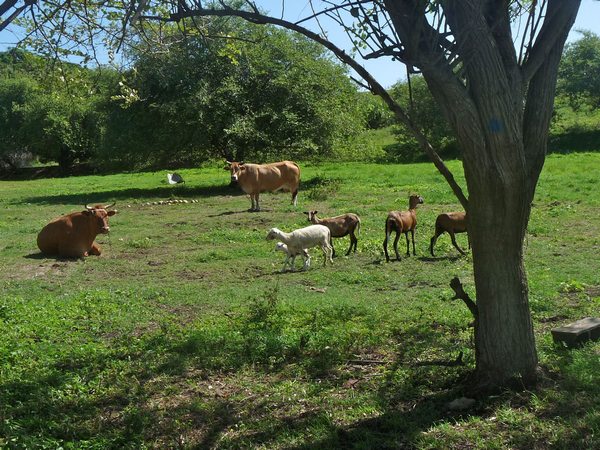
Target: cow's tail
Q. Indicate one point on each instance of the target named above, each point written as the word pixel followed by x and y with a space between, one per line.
pixel 295 191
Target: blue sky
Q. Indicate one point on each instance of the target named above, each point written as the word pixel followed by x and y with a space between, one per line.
pixel 387 72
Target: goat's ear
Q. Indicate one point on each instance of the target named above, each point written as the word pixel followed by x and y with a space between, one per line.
pixel 111 213
pixel 306 212
pixel 315 212
pixel 241 163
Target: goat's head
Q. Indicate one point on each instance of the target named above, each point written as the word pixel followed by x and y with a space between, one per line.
pixel 311 215
pixel 415 200
pixel 272 234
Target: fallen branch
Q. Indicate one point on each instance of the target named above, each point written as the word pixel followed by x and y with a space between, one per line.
pixel 459 293
pixel 365 362
pixel 457 362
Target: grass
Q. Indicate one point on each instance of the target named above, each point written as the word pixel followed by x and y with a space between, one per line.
pixel 184 334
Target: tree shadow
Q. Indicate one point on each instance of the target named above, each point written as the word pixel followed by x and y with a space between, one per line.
pixel 122 194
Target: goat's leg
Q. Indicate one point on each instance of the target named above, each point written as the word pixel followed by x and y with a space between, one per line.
pixel 327 252
pixel 285 263
pixel 354 239
pixel 295 197
pixel 332 247
pixel 453 238
pixel 306 257
pixel 293 263
pixel 385 242
pixel 407 244
pixel 412 235
pixel 396 246
pixel 433 241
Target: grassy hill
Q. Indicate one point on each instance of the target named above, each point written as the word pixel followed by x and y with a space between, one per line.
pixel 184 333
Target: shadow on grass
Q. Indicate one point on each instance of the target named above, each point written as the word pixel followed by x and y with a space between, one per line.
pixel 161 192
pixel 38 255
pixel 42 256
pixel 162 390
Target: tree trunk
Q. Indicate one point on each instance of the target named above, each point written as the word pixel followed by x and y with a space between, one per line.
pixel 504 339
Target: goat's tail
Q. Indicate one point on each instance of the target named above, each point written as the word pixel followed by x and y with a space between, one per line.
pixel 358 227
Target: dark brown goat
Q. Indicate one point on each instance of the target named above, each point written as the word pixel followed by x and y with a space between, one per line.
pixel 340 226
pixel 402 222
pixel 452 222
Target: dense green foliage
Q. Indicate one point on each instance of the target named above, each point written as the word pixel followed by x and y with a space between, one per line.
pixel 425 112
pixel 184 334
pixel 46 112
pixel 579 69
pixel 257 93
pixel 576 120
pixel 260 94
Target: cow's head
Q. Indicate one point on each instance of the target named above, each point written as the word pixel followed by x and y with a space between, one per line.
pixel 99 216
pixel 235 168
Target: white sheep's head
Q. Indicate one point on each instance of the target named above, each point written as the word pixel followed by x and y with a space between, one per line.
pixel 272 234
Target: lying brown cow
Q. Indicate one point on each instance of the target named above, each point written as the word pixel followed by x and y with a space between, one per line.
pixel 73 235
pixel 257 178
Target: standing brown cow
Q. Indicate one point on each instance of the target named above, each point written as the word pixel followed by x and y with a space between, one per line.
pixel 257 178
pixel 73 235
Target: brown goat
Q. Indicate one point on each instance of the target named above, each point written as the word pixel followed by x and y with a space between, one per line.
pixel 402 222
pixel 452 222
pixel 340 226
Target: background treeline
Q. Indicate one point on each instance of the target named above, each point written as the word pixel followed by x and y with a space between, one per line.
pixel 256 93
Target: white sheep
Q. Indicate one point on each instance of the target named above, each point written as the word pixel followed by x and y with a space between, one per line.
pixel 304 238
pixel 289 256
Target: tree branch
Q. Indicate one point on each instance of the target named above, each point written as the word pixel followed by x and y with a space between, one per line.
pixel 560 17
pixel 540 93
pixel 459 293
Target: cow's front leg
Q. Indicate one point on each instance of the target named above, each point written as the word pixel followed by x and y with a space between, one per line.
pixel 95 250
pixel 254 200
pixel 257 206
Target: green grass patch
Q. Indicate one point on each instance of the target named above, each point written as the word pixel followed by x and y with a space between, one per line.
pixel 184 334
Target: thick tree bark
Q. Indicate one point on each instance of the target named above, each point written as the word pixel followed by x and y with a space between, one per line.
pixel 504 337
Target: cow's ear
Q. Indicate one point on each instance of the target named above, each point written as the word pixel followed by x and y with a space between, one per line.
pixel 111 213
pixel 227 168
pixel 86 213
